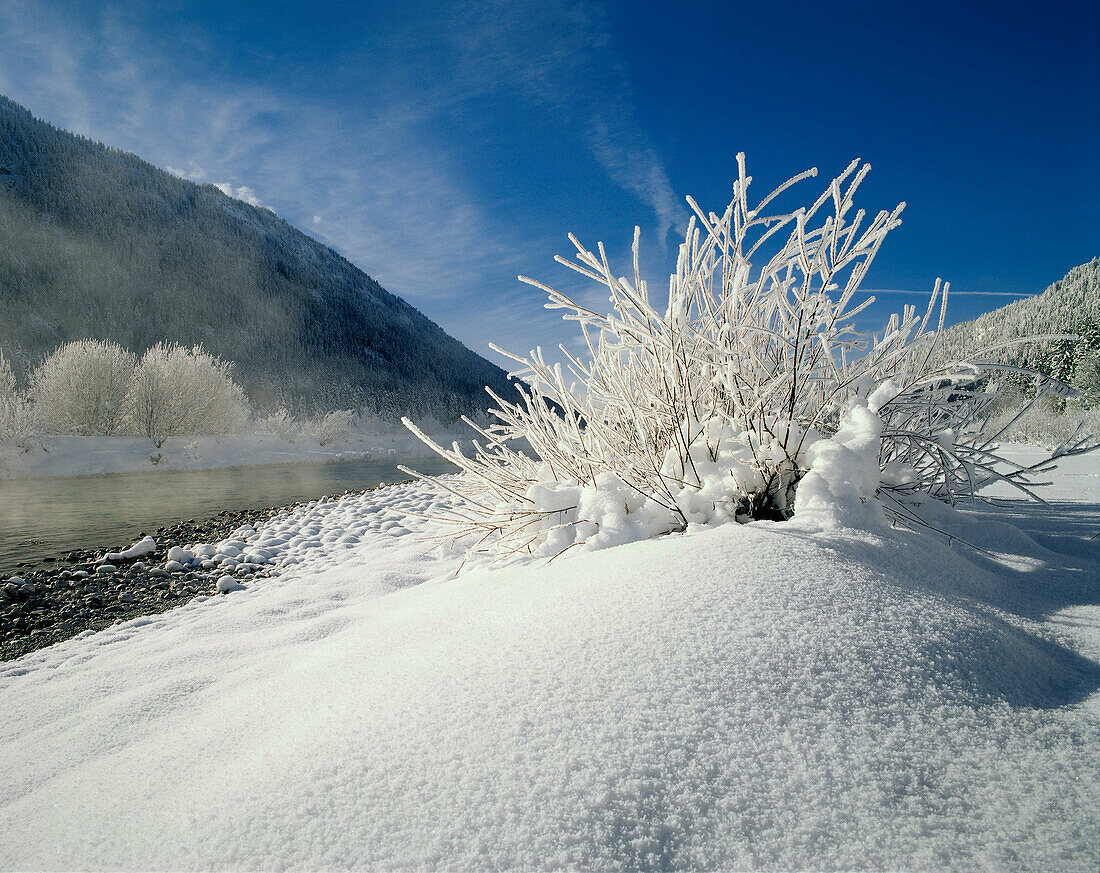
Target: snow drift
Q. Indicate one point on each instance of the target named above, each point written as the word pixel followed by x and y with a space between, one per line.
pixel 769 696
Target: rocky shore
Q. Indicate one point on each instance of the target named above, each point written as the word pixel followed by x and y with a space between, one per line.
pixel 61 597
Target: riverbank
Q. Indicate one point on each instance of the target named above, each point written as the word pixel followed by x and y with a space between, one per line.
pixel 63 596
pixel 48 517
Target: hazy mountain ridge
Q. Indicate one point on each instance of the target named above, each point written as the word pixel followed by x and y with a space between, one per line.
pixel 97 242
pixel 1069 306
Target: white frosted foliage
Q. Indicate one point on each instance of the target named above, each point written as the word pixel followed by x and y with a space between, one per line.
pixel 745 386
pixel 83 388
pixel 178 390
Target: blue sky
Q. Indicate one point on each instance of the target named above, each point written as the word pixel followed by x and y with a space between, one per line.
pixel 447 147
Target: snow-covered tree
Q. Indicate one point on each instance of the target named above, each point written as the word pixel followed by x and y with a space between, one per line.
pixel 177 390
pixel 280 423
pixel 334 427
pixel 1068 312
pixel 746 393
pixel 17 425
pixel 83 388
pixel 1086 379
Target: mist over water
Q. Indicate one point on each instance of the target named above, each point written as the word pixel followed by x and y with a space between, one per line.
pixel 48 517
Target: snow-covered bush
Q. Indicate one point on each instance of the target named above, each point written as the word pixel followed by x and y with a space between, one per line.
pixel 17 422
pixel 280 423
pixel 83 388
pixel 747 393
pixel 1086 379
pixel 334 427
pixel 177 390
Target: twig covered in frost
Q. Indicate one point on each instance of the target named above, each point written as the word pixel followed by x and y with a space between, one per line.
pixel 714 403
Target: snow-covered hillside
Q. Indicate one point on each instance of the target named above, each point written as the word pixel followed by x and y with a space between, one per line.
pixel 97 243
pixel 1069 306
pixel 766 696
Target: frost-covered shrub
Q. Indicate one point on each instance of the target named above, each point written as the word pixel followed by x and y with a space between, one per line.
pixel 334 427
pixel 746 393
pixel 1048 422
pixel 7 379
pixel 17 421
pixel 280 423
pixel 178 390
pixel 83 388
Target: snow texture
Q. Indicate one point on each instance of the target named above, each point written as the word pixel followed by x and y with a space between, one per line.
pixel 766 696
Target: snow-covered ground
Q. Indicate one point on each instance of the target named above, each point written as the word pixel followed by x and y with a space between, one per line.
pixel 86 456
pixel 767 696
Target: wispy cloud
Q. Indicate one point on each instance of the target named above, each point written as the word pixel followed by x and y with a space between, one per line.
pixel 377 182
pixel 563 57
pixel 195 174
pixel 243 193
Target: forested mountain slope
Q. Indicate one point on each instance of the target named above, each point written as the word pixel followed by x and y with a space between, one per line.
pixel 95 242
pixel 1069 306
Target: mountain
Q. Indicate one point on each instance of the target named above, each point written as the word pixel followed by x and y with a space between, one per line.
pixel 95 242
pixel 1069 306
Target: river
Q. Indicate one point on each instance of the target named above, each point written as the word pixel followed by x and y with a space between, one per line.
pixel 48 517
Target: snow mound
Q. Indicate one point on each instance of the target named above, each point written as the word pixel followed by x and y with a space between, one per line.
pixel 765 696
pixel 144 546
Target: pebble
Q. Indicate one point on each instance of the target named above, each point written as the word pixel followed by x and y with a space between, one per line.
pixel 227 583
pixel 49 603
pixel 181 556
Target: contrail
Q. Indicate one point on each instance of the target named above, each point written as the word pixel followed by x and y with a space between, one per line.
pixel 954 293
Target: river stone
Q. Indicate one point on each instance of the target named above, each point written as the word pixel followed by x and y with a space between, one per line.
pixel 183 556
pixel 225 584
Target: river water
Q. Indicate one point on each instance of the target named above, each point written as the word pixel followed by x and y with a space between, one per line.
pixel 48 517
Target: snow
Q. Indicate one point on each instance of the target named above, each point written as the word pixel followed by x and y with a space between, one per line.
pixel 144 546
pixel 87 456
pixel 1075 478
pixel 844 472
pixel 766 696
pixel 225 584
